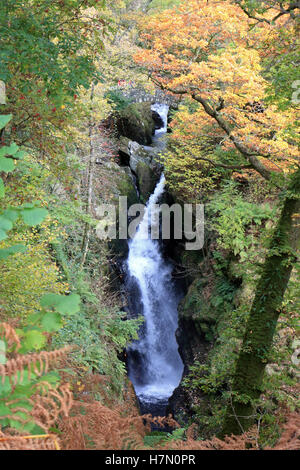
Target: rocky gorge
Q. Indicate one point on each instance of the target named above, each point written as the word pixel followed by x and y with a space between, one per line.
pixel 142 167
pixel 208 282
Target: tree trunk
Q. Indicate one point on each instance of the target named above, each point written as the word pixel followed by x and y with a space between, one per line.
pixel 86 234
pixel 264 313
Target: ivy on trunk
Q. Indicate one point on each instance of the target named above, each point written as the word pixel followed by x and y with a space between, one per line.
pixel 264 313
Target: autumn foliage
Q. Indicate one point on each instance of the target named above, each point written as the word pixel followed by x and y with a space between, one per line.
pixel 88 424
pixel 232 70
pixel 209 52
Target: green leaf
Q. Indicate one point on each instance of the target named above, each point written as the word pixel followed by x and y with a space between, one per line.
pixel 6 164
pixel 5 252
pixel 22 402
pixel 52 378
pixel 51 321
pixel 20 154
pixel 35 318
pixel 34 340
pixel 22 391
pixel 36 430
pixel 4 119
pixel 5 223
pixel 24 379
pixel 64 304
pixel 4 410
pixel 3 358
pixel 2 188
pixel 11 214
pixel 3 235
pixel 11 150
pixel 29 426
pixel 5 388
pixel 34 216
pixel 50 300
pixel 4 423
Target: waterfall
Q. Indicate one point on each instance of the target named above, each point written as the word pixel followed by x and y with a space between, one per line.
pixel 154 364
pixel 163 111
pixel 158 141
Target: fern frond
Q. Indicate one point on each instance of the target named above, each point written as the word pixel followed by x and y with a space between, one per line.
pixel 38 363
pixel 11 337
pixel 48 407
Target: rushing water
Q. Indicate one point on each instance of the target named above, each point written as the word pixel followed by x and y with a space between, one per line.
pixel 154 364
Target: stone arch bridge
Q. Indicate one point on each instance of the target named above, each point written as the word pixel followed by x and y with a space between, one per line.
pixel 139 95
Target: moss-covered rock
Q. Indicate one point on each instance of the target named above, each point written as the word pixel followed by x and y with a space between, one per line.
pixel 197 308
pixel 142 165
pixel 136 122
pixel 146 180
pixel 126 187
pixel 138 154
pixel 194 322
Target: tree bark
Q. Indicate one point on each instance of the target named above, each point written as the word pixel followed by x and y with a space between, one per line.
pixel 264 313
pixel 86 234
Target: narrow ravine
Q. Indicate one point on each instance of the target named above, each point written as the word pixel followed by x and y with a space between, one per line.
pixel 154 364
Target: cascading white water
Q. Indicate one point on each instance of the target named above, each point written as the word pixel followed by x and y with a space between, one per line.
pixel 163 111
pixel 155 366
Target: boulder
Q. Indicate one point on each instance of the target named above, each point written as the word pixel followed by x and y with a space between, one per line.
pixel 132 153
pixel 136 122
pixel 142 164
pixel 138 155
pixel 126 187
pixel 146 179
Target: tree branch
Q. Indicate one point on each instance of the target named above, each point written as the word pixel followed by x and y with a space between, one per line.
pixel 283 11
pixel 252 158
pixel 227 167
pixel 214 113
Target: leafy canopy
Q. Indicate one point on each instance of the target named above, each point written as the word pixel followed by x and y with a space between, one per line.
pixel 208 52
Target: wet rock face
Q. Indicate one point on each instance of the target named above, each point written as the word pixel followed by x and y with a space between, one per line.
pixel 196 309
pixel 193 324
pixel 136 125
pixel 142 164
pixel 137 155
pixel 159 123
pixel 126 187
pixel 147 179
